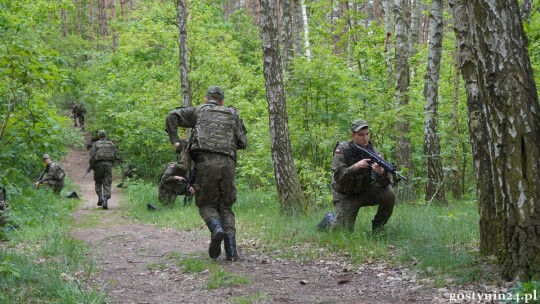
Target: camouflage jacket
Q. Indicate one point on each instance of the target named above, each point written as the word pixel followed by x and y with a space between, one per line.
pixel 347 179
pixel 103 150
pixel 53 172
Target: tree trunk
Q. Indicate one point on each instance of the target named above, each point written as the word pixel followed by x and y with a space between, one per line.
pixel 181 12
pixel 298 27
pixel 291 197
pixel 505 132
pixel 113 19
pixel 91 23
pixel 456 173
pixel 526 8
pixel 388 25
pixel 287 33
pixel 103 17
pixel 415 26
pixel 432 149
pixel 405 190
pixel 63 15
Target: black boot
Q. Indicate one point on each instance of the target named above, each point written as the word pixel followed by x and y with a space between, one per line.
pixel 327 219
pixel 230 247
pixel 100 199
pixel 214 250
pixel 105 202
pixel 377 227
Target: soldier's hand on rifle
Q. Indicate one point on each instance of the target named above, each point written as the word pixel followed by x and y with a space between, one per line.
pixel 37 184
pixel 191 190
pixel 179 178
pixel 378 169
pixel 362 164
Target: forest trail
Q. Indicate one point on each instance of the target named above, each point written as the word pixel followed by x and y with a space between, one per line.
pixel 138 263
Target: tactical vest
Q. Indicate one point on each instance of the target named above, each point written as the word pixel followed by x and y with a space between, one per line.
pixel 215 130
pixel 359 182
pixel 105 150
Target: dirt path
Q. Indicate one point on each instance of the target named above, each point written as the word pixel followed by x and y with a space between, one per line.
pixel 137 263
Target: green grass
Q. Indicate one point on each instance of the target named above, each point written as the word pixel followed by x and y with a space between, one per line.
pixel 41 260
pixel 440 242
pixel 218 277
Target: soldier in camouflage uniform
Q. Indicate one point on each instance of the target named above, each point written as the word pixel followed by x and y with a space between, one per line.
pixel 102 157
pixel 172 184
pixel 3 207
pixel 357 182
pixel 52 176
pixel 217 133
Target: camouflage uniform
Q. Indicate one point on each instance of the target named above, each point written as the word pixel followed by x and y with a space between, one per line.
pixel 53 177
pixel 169 187
pixel 3 207
pixel 354 188
pixel 216 135
pixel 102 157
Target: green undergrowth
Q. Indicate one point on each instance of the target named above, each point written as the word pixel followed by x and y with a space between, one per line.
pixel 440 242
pixel 38 257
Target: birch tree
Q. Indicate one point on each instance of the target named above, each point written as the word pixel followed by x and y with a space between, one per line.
pixel 432 149
pixel 504 123
pixel 181 13
pixel 291 197
pixel 405 190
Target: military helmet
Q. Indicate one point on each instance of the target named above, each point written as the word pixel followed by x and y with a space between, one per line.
pixel 102 134
pixel 46 156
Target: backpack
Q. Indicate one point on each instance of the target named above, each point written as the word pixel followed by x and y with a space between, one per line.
pixel 82 110
pixel 105 150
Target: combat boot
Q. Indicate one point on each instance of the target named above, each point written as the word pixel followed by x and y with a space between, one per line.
pixel 327 219
pixel 214 250
pixel 100 199
pixel 230 247
pixel 105 206
pixel 377 227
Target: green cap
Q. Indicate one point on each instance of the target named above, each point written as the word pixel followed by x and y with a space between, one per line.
pixel 358 124
pixel 46 156
pixel 215 92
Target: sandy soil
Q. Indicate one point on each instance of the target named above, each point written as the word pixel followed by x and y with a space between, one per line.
pixel 138 263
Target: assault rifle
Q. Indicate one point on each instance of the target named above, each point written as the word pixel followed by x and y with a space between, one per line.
pixel 388 167
pixel 87 171
pixel 40 176
pixel 188 196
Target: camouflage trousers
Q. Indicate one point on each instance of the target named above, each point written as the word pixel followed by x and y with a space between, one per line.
pixel 215 189
pixel 167 194
pixel 347 206
pixel 103 177
pixel 55 185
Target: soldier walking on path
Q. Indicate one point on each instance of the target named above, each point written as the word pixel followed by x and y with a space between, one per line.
pixel 52 177
pixel 217 133
pixel 102 157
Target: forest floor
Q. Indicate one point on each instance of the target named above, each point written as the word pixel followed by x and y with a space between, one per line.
pixel 138 263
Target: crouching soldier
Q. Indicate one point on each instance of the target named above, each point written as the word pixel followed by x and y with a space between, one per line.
pixel 52 176
pixel 174 182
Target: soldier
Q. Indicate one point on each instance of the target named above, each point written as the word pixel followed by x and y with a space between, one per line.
pixel 357 183
pixel 52 176
pixel 102 157
pixel 217 133
pixel 173 183
pixel 74 113
pixel 78 112
pixel 3 207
